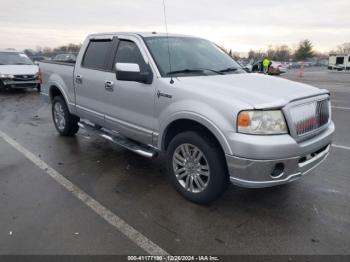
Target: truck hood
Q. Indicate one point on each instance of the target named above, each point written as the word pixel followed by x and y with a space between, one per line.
pixel 19 69
pixel 259 91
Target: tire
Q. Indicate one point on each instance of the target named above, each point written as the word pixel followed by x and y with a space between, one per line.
pixel 195 186
pixel 65 123
pixel 38 88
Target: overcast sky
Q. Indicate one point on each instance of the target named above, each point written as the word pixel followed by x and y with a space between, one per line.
pixel 240 25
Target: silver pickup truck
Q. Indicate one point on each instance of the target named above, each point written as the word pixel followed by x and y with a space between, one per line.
pixel 185 97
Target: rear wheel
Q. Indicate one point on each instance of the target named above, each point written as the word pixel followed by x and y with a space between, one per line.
pixel 66 124
pixel 197 167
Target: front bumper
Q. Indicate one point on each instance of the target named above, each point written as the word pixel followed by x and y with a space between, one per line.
pixel 257 173
pixel 20 84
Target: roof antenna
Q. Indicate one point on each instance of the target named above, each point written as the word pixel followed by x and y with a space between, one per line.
pixel 167 37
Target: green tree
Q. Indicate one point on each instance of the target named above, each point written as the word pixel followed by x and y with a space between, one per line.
pixel 304 50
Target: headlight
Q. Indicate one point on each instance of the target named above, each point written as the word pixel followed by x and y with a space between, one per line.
pixel 6 76
pixel 261 122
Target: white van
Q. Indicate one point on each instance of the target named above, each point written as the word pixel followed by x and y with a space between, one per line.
pixel 18 71
pixel 339 62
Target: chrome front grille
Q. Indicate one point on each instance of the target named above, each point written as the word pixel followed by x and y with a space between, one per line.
pixel 310 116
pixel 24 77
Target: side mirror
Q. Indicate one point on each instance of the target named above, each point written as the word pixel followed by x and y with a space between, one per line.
pixel 132 72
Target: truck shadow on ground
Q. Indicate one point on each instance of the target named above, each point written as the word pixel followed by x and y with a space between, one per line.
pixel 10 92
pixel 135 177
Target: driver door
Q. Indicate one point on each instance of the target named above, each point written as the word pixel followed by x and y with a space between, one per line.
pixel 130 104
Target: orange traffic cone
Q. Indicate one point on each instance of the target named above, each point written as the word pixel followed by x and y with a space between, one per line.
pixel 301 72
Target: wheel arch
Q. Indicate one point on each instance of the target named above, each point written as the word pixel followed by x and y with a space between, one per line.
pixel 191 122
pixel 56 90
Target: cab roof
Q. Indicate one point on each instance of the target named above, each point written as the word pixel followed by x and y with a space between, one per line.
pixel 142 34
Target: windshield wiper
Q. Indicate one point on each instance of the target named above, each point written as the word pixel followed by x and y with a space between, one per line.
pixel 21 64
pixel 229 69
pixel 185 71
pixel 197 70
pixel 212 70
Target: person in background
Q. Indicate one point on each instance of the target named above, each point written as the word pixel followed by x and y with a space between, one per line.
pixel 266 65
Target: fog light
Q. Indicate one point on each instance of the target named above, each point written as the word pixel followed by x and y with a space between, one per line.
pixel 278 170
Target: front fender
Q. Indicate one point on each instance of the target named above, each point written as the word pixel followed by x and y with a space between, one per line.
pixel 199 118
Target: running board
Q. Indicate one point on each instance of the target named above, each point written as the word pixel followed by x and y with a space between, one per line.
pixel 138 148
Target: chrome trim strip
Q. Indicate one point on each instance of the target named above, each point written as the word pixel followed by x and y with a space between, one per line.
pixel 90 111
pixel 283 102
pixel 258 184
pixel 315 158
pixel 303 169
pixel 129 125
pixel 155 139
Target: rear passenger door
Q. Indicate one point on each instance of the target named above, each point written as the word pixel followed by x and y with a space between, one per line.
pixel 90 79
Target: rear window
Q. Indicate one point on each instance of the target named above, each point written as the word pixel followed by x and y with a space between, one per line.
pixel 96 54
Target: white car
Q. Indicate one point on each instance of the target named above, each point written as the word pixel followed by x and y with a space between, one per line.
pixel 18 71
pixel 277 68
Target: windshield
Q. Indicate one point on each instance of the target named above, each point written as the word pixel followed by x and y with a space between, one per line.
pixel 64 57
pixel 12 58
pixel 190 56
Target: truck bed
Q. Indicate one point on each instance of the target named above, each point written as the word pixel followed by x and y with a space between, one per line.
pixel 60 74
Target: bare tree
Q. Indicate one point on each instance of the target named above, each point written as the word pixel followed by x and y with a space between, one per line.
pixel 255 55
pixel 344 48
pixel 236 55
pixel 280 53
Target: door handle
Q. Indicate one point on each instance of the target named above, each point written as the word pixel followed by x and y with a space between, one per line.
pixel 109 85
pixel 79 79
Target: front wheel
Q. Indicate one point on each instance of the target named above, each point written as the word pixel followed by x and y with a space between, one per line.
pixel 66 124
pixel 197 167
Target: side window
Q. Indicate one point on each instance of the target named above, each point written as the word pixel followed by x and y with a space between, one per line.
pixel 96 54
pixel 128 52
